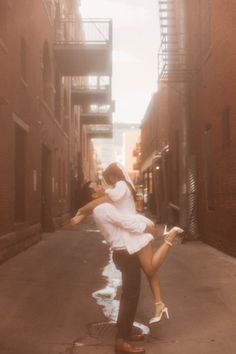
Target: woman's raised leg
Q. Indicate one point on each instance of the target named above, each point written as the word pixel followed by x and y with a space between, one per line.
pixel 145 257
pixel 160 254
pixel 151 262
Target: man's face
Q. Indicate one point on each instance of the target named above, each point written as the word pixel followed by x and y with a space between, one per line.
pixel 97 190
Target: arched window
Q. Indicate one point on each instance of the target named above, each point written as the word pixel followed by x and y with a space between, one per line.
pixel 46 74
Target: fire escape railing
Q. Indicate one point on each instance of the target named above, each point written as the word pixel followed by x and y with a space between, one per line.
pixel 91 83
pixel 96 109
pixel 172 53
pixel 95 31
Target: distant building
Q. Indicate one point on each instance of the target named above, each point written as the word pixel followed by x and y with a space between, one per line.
pixel 120 147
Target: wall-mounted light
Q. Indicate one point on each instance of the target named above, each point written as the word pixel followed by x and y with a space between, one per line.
pixel 157 167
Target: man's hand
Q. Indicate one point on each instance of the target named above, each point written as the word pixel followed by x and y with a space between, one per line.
pixel 77 219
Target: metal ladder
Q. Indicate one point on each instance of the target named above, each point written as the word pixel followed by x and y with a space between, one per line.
pixel 171 55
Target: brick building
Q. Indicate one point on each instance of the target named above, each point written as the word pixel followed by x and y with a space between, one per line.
pixel 41 124
pixel 212 100
pixel 197 63
pixel 154 142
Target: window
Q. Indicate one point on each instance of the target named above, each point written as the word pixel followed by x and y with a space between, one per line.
pixel 59 179
pixel 3 20
pixel 205 27
pixel 46 74
pixel 20 145
pixel 177 167
pixel 209 171
pixel 57 100
pixel 63 180
pixel 65 113
pixel 225 128
pixel 23 64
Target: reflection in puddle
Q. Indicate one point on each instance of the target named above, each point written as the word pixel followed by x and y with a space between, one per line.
pixel 107 297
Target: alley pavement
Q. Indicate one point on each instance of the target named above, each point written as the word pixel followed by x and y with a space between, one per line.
pixel 56 297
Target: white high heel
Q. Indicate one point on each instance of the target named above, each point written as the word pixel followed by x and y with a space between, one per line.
pixel 158 318
pixel 176 228
pixel 177 239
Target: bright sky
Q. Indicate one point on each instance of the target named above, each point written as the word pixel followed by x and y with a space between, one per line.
pixel 135 47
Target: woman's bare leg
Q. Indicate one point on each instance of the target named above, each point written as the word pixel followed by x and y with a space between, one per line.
pixel 160 254
pixel 145 257
pixel 151 262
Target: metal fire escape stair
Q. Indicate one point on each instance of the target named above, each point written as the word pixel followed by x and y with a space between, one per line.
pixel 83 53
pixel 83 50
pixel 172 54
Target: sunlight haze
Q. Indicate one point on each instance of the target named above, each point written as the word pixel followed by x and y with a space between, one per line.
pixel 135 47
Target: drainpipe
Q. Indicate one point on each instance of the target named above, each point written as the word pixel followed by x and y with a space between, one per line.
pixel 184 128
pixel 188 180
pixel 70 174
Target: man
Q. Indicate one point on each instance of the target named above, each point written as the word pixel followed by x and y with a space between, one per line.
pixel 130 269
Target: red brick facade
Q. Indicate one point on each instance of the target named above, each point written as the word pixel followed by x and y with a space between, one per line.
pixel 154 138
pixel 202 124
pixel 213 110
pixel 39 141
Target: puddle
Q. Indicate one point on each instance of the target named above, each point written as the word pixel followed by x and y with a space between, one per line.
pixel 108 296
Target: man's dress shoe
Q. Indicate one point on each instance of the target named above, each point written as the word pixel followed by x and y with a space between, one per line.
pixel 126 348
pixel 136 337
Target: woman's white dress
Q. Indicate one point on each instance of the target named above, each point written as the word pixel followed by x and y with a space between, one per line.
pixel 123 201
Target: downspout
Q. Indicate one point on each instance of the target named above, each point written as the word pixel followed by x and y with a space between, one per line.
pixel 184 128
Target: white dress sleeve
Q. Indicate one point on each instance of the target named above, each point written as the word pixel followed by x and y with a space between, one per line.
pixel 118 192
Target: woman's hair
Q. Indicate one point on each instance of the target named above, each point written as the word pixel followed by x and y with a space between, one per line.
pixel 114 171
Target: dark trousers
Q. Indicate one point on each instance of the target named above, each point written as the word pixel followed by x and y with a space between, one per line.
pixel 131 279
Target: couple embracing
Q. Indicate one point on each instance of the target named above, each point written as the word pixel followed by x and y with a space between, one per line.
pixel 129 236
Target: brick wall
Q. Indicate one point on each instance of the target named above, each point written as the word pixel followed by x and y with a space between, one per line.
pixel 211 122
pixel 216 94
pixel 27 101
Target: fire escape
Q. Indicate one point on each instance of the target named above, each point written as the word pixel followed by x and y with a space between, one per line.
pixel 83 50
pixel 174 69
pixel 172 66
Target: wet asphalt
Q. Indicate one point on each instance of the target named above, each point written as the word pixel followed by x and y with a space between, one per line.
pixel 58 297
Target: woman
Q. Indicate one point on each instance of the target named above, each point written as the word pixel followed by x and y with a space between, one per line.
pixel 122 196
